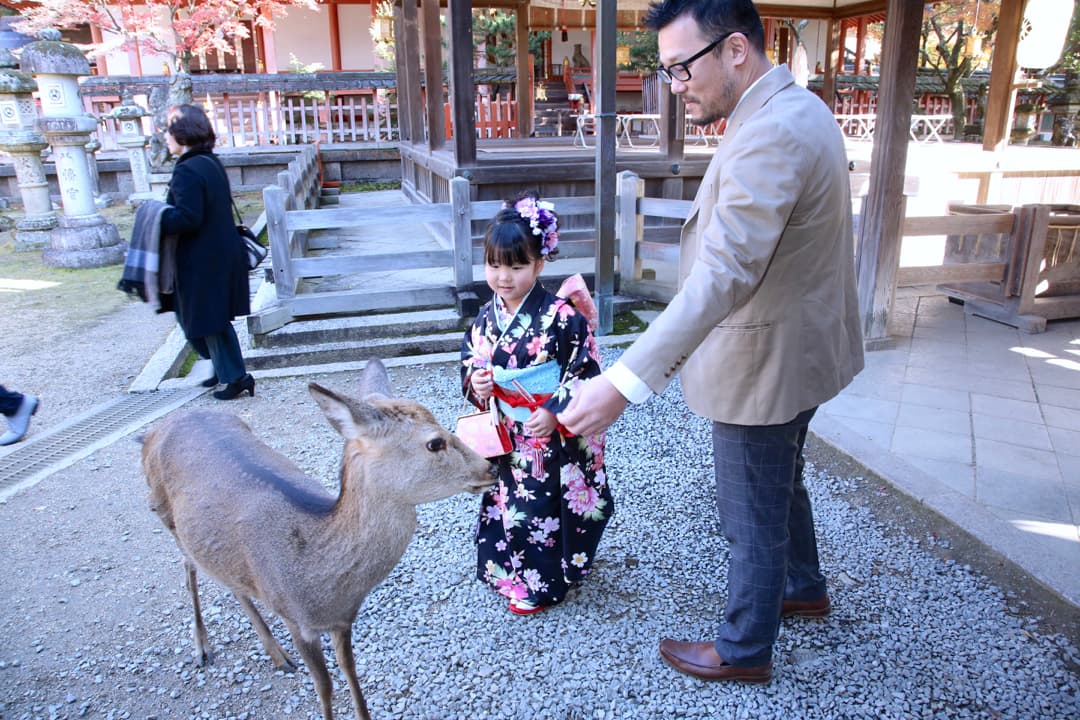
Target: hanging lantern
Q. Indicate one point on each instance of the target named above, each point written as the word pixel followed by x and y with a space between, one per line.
pixel 622 55
pixel 565 34
pixel 973 46
pixel 1043 32
pixel 383 23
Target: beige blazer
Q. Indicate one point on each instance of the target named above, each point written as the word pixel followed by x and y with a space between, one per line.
pixel 765 323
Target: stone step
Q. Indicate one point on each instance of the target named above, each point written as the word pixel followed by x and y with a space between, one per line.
pixel 360 328
pixel 327 353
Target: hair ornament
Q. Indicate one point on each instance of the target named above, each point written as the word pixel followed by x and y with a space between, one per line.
pixel 540 214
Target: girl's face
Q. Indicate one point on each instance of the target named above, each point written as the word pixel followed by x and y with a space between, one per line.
pixel 512 282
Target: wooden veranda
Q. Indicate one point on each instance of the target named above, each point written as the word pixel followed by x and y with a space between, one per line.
pixel 430 160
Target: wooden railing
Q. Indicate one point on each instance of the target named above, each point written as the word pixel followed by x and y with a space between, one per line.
pixel 494 118
pixel 247 120
pixel 289 226
pixel 993 259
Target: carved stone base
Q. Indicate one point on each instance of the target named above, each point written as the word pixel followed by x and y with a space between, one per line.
pixel 159 184
pixel 34 233
pixel 32 240
pixel 84 242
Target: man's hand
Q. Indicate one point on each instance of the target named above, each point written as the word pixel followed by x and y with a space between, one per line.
pixel 596 405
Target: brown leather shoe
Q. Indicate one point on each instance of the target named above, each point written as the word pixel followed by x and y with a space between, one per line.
pixel 807 608
pixel 700 660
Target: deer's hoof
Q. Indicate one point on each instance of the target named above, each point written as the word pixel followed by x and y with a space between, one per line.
pixel 202 659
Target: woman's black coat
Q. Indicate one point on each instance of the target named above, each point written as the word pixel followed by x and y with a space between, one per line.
pixel 211 268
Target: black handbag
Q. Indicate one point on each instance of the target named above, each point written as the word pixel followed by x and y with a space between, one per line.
pixel 254 251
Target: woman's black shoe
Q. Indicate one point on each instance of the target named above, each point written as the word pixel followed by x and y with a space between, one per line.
pixel 234 389
pixel 211 381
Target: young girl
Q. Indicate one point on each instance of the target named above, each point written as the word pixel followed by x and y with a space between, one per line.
pixel 540 525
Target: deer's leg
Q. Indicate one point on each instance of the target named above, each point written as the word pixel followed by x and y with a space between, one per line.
pixel 311 651
pixel 269 642
pixel 198 630
pixel 343 648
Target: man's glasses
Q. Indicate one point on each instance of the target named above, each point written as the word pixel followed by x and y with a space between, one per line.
pixel 681 70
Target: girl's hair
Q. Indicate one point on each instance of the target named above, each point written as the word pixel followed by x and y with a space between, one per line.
pixel 190 127
pixel 510 238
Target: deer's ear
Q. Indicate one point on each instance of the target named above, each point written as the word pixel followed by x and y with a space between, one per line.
pixel 349 418
pixel 375 381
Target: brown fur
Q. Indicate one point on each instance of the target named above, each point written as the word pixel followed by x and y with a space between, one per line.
pixel 249 517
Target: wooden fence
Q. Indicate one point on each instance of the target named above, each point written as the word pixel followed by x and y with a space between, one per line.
pixel 995 260
pixel 289 227
pixel 272 118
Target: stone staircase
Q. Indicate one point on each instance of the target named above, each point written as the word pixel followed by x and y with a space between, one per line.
pixel 327 341
pixel 552 117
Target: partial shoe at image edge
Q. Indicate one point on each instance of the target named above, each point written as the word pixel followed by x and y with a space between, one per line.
pixel 19 423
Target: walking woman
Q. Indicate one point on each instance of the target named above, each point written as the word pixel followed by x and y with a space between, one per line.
pixel 211 271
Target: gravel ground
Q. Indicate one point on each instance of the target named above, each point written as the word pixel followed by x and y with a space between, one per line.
pixel 926 624
pixel 96 621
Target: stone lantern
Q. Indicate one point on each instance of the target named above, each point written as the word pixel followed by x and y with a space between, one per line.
pixel 1065 107
pixel 82 237
pixel 129 116
pixel 24 144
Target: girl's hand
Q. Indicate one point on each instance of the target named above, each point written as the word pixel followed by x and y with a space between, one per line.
pixel 541 423
pixel 482 385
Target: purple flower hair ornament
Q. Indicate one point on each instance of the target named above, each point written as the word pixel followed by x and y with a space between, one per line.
pixel 540 215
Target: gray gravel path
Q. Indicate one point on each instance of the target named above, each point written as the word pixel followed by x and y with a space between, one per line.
pixel 96 619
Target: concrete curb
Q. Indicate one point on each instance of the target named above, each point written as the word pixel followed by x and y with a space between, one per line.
pixel 1056 572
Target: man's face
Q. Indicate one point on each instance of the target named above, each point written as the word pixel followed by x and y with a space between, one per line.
pixel 712 90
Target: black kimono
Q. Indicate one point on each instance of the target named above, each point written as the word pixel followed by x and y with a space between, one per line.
pixel 540 526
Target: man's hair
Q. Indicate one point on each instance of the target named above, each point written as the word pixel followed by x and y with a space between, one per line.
pixel 190 127
pixel 715 17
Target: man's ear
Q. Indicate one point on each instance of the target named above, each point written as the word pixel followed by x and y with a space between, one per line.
pixel 738 48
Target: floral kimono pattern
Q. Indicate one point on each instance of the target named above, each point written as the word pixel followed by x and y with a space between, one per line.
pixel 540 526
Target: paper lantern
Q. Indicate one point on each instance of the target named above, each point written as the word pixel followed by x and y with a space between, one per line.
pixel 1042 34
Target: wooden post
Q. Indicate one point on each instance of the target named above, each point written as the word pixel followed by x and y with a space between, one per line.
pixel 468 304
pixel 433 77
pixel 408 53
pixel 878 252
pixel 1001 94
pixel 462 92
pixel 605 167
pixel 631 225
pixel 523 65
pixel 860 47
pixel 280 253
pixel 335 35
pixel 672 126
pixel 828 82
pixel 405 132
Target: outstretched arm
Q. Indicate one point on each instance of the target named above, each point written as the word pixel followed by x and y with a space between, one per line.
pixel 595 407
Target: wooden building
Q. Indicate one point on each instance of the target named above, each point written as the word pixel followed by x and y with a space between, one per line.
pixel 430 159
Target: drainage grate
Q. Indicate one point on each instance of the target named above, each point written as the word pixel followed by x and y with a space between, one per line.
pixel 42 455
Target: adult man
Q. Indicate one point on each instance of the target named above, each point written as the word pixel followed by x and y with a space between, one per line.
pixel 764 327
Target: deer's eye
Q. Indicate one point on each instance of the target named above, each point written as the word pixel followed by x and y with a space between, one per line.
pixel 436 444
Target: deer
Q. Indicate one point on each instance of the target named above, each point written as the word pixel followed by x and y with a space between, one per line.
pixel 250 518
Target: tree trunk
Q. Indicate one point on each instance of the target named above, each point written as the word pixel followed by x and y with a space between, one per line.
pixel 959 112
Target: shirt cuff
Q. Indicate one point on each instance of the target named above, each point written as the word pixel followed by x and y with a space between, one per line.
pixel 629 385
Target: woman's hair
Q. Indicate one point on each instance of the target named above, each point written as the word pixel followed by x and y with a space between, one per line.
pixel 714 17
pixel 190 127
pixel 524 230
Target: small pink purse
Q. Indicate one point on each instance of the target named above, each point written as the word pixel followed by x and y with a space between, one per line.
pixel 483 432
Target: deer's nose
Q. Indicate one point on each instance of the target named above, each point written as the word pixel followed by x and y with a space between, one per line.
pixel 493 471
